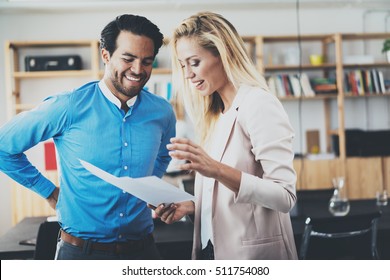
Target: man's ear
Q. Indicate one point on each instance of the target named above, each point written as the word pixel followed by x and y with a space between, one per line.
pixel 105 56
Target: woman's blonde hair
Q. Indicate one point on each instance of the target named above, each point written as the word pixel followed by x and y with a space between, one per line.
pixel 217 35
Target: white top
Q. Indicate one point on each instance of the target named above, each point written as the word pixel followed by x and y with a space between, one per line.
pixel 110 96
pixel 216 140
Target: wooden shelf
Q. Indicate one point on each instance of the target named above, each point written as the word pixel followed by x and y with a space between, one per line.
pixel 305 67
pixel 365 36
pixel 161 71
pixel 52 74
pixel 293 38
pixel 51 44
pixel 367 65
pixel 371 95
pixel 316 97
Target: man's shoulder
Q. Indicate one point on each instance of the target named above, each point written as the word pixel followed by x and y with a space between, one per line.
pixel 86 88
pixel 155 99
pixel 76 94
pixel 82 90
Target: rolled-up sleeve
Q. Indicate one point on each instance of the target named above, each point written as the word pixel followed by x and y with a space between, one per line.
pixel 271 137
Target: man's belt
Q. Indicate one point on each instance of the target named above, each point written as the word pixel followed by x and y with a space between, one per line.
pixel 114 247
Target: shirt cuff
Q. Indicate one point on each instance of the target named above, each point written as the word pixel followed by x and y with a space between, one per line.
pixel 43 186
pixel 247 186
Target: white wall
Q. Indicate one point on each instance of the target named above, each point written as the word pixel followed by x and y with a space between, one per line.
pixel 66 24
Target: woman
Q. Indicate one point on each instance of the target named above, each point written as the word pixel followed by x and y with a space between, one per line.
pixel 245 181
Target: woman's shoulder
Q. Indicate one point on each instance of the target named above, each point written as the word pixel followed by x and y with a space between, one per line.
pixel 256 96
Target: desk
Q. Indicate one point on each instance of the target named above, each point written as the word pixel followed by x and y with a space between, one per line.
pixel 9 242
pixel 173 241
pixel 319 208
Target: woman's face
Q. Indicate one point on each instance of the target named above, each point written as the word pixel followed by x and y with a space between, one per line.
pixel 203 69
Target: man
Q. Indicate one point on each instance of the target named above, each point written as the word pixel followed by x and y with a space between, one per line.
pixel 113 124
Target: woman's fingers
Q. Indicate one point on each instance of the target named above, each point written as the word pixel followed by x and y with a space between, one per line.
pixel 184 148
pixel 176 140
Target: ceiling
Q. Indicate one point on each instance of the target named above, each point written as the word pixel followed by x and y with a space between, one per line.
pixel 17 5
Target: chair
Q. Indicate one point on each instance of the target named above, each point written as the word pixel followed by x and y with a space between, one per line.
pixel 47 237
pixel 187 184
pixel 347 237
pixel 317 194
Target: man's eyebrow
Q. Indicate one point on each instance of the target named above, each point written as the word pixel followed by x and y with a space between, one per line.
pixel 134 56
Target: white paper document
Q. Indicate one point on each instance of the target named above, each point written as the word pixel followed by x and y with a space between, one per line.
pixel 151 189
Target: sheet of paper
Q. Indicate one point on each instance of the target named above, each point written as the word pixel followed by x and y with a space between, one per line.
pixel 151 189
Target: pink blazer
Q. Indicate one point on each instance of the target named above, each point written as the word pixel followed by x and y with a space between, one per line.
pixel 255 223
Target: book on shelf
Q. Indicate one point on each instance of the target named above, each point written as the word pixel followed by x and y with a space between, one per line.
pixel 162 88
pixel 381 82
pixel 363 82
pixel 324 85
pixel 306 86
pixel 283 85
pixel 359 82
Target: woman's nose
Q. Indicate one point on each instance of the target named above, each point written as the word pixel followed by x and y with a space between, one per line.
pixel 188 73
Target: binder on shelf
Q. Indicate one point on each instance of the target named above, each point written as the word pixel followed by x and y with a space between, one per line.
pixel 272 85
pixel 162 88
pixel 280 86
pixel 381 82
pixel 375 77
pixel 307 89
pixel 50 156
pixel 296 87
pixel 359 82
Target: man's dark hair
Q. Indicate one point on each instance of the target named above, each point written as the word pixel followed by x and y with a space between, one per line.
pixel 135 24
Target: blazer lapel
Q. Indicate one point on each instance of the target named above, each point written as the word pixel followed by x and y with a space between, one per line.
pixel 217 153
pixel 230 121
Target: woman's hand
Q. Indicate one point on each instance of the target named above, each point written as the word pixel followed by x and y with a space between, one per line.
pixel 198 159
pixel 174 212
pixel 201 162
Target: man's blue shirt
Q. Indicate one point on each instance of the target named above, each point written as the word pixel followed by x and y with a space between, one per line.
pixel 86 125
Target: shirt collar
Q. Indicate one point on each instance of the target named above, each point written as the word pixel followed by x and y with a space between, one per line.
pixel 110 96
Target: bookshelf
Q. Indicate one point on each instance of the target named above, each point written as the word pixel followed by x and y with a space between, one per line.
pixel 334 48
pixel 330 46
pixel 361 183
pixel 17 76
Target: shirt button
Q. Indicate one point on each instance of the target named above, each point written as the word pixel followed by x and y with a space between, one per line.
pixel 125 167
pixel 124 120
pixel 124 191
pixel 121 214
pixel 120 236
pixel 126 144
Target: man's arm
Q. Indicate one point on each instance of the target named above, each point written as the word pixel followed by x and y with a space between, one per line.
pixel 24 131
pixel 163 157
pixel 53 198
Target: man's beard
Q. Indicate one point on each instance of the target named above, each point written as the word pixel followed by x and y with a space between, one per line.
pixel 129 92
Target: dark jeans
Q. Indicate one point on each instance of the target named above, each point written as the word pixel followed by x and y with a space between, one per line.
pixel 66 251
pixel 208 252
